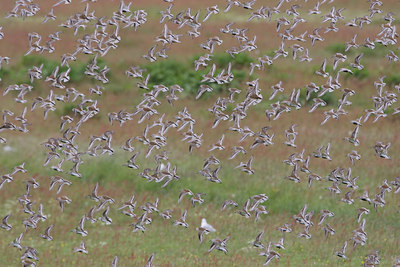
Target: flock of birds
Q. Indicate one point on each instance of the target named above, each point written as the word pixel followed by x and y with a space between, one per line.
pixel 102 35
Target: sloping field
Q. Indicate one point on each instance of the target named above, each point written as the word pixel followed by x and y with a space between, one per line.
pixel 276 122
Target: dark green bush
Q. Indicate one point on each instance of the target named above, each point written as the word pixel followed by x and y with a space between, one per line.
pixel 66 109
pixel 379 51
pixel 169 72
pixel 361 74
pixel 337 48
pixel 389 110
pixel 392 79
pixel 329 98
pixel 18 73
pixel 241 60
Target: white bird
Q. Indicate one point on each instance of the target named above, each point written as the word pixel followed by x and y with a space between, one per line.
pixel 207 226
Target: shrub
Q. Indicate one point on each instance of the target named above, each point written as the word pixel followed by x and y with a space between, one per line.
pixel 379 51
pixel 336 48
pixel 393 79
pixel 18 73
pixel 169 72
pixel 66 110
pixel 361 74
pixel 389 110
pixel 329 98
pixel 241 60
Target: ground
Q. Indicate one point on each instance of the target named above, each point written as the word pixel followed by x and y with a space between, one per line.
pixel 177 246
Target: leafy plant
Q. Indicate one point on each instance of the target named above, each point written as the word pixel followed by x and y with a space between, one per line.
pixel 169 72
pixel 361 74
pixel 379 51
pixel 393 79
pixel 329 98
pixel 336 48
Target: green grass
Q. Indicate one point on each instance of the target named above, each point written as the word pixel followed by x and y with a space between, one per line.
pixel 176 246
pixel 170 72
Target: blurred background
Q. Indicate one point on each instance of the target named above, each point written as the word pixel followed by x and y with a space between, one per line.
pixel 172 245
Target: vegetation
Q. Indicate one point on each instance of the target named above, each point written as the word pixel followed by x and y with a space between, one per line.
pixel 170 72
pixel 176 245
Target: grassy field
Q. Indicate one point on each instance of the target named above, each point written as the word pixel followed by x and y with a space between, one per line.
pixel 176 245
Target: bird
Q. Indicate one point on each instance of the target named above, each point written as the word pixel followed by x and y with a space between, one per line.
pixel 207 226
pixel 353 137
pixel 317 103
pixel 203 88
pixel 271 255
pixel 211 10
pixel 257 242
pixel 286 228
pixel 167 13
pixel 227 203
pixel 46 234
pixel 321 71
pixel 245 209
pixel 357 62
pixel 294 174
pixel 318 153
pixel 246 166
pixel 94 195
pixel 325 152
pixel 182 220
pixel 183 193
pixel 219 244
pixel 4 223
pixel 353 155
pixel 81 248
pixel 200 232
pixel 347 198
pixel 230 4
pixel 315 9
pixel 342 252
pixel 328 230
pixel 197 198
pixel 17 241
pixel 149 262
pixel 236 151
pixel 365 197
pixel 306 234
pixel 90 216
pixel 324 214
pixel 360 212
pixel 237 108
pixel 104 218
pixel 65 119
pixel 131 204
pixel 80 229
pixel 275 89
pixel 50 16
pixel 218 145
pixel 62 201
pixel 114 262
pixel 60 180
pixel 65 2
pixel 131 162
pixel 279 244
pixel 128 146
pixel 150 54
pixel 162 53
pixel 144 83
pixel 166 214
pixel 248 5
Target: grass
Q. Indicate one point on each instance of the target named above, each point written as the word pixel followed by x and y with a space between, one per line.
pixel 170 72
pixel 176 246
pixel 285 200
